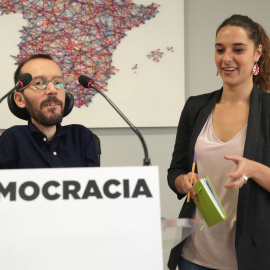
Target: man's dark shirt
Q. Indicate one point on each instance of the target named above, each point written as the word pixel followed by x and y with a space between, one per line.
pixel 27 147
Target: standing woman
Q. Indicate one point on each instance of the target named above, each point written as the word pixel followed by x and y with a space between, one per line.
pixel 229 129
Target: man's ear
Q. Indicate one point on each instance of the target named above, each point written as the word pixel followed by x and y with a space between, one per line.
pixel 19 100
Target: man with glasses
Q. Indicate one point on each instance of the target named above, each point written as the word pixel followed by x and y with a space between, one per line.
pixel 44 142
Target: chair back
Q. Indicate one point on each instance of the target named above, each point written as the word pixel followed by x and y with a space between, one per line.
pixel 98 146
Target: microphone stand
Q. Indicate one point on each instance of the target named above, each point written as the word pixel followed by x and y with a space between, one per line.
pixel 23 81
pixel 146 161
pixel 8 93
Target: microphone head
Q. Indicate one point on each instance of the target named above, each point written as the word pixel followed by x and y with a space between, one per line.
pixel 85 81
pixel 24 80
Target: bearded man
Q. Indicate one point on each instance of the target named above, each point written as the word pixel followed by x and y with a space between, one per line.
pixel 44 142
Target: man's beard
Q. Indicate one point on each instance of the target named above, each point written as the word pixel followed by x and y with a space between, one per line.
pixel 41 117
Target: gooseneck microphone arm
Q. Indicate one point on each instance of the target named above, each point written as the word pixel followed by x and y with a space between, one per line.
pixel 146 160
pixel 88 83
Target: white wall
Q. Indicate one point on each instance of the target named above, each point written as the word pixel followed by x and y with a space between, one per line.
pixel 121 147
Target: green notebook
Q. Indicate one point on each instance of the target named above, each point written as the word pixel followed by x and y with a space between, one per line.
pixel 208 202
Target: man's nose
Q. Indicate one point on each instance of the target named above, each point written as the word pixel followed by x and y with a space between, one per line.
pixel 51 89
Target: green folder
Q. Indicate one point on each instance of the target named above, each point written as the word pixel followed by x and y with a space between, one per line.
pixel 208 202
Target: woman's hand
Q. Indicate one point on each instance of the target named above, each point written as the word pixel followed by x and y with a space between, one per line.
pixel 252 169
pixel 183 185
pixel 244 169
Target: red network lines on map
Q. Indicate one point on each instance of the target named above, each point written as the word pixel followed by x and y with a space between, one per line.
pixel 80 35
pixel 156 55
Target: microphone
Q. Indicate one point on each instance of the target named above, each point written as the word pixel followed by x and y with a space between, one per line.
pixel 86 82
pixel 23 81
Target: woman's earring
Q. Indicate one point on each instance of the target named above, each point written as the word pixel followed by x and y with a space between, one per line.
pixel 217 72
pixel 256 69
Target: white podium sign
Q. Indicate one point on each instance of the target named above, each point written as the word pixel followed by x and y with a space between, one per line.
pixel 80 218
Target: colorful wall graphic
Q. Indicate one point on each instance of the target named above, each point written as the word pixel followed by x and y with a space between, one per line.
pixel 85 37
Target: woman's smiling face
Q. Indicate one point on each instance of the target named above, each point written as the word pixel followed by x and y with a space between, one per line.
pixel 235 56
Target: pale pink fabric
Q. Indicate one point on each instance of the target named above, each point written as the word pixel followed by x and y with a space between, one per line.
pixel 214 247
